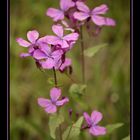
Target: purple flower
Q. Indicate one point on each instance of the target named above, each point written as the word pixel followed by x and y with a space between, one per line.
pixel 48 57
pixel 66 64
pixel 32 44
pixel 58 14
pixel 60 39
pixel 92 122
pixel 95 14
pixel 51 105
pixel 78 0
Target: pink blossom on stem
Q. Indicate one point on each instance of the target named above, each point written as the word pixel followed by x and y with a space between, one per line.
pixel 32 44
pixel 94 14
pixel 60 39
pixel 59 14
pixel 50 105
pixel 92 122
pixel 66 64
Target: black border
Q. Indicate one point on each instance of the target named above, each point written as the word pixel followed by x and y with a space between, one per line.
pixel 131 69
pixel 4 70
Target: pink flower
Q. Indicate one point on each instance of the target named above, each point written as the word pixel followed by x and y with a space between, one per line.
pixel 78 0
pixel 58 14
pixel 66 64
pixel 60 39
pixel 92 122
pixel 51 105
pixel 48 57
pixel 32 44
pixel 95 14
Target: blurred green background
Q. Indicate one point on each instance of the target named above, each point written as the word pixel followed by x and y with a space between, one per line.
pixel 107 73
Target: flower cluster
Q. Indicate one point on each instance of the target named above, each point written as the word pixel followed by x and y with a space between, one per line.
pixel 49 51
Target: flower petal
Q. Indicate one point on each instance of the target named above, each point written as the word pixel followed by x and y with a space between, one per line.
pixel 58 64
pixel 44 102
pixel 87 118
pixel 42 40
pixel 31 49
pixel 82 7
pixel 55 94
pixel 23 42
pixel 50 39
pixel 66 4
pixel 66 64
pixel 48 64
pixel 96 117
pixel 23 55
pixel 64 44
pixel 100 21
pixel 56 14
pixel 80 15
pixel 102 9
pixel 62 102
pixel 57 54
pixel 32 36
pixel 97 130
pixel 58 30
pixel 38 54
pixel 51 108
pixel 45 48
pixel 71 37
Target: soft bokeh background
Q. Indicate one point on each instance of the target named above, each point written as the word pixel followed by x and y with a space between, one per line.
pixel 107 73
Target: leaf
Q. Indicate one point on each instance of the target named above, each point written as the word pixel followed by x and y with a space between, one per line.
pixel 76 93
pixel 112 127
pixel 73 130
pixel 77 89
pixel 90 52
pixel 126 138
pixel 54 122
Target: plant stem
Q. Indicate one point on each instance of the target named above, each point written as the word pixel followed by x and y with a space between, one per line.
pixel 70 78
pixel 60 130
pixel 55 77
pixel 82 55
pixel 56 84
pixel 69 133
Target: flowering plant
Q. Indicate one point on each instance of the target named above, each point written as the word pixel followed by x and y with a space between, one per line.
pixel 50 53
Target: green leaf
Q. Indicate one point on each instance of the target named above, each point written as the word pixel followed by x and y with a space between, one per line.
pixel 112 127
pixel 54 122
pixel 90 52
pixel 76 93
pixel 77 89
pixel 73 130
pixel 126 138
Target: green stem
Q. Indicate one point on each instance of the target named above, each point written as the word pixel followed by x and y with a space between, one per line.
pixel 55 77
pixel 70 78
pixel 69 133
pixel 56 85
pixel 82 55
pixel 60 130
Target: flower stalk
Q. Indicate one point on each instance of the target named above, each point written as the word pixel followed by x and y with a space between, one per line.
pixel 56 85
pixel 82 55
pixel 55 77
